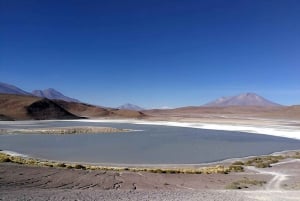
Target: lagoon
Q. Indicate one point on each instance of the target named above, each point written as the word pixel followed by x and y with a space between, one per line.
pixel 148 144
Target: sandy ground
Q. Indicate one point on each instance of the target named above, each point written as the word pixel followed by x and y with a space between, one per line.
pixel 19 182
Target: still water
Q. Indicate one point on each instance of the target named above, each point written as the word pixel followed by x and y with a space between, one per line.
pixel 150 144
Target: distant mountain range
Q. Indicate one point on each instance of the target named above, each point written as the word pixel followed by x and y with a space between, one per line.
pixel 47 93
pixel 17 104
pixel 53 95
pixel 24 107
pixel 11 89
pixel 245 99
pixel 129 106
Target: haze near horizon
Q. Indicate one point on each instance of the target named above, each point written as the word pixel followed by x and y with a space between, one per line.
pixel 152 53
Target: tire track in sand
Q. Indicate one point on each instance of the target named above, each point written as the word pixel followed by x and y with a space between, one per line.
pixel 275 182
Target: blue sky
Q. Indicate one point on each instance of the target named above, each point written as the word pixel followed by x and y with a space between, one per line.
pixel 153 53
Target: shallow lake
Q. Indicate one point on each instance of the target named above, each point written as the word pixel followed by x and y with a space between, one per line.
pixel 151 144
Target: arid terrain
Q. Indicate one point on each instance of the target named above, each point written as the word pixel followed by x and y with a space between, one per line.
pixel 233 112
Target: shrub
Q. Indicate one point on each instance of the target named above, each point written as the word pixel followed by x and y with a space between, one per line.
pixel 297 155
pixel 262 165
pixel 158 171
pixel 235 186
pixel 172 171
pixel 78 166
pixel 236 168
pixel 49 165
pixel 62 165
pixel 238 163
pixel 245 183
pixel 264 162
pixel 4 160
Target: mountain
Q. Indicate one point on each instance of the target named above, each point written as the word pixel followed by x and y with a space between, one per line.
pixel 47 93
pixel 11 89
pixel 53 95
pixel 129 106
pixel 92 111
pixel 23 107
pixel 246 99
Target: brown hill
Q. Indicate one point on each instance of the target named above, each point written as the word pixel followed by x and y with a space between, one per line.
pixel 82 109
pixel 20 107
pixel 92 111
pixel 127 113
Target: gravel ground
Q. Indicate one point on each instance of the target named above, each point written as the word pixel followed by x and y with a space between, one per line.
pixel 90 195
pixel 19 182
pixel 157 195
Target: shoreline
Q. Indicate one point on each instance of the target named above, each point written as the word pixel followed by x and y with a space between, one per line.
pixel 278 128
pixel 136 165
pixel 120 166
pixel 225 127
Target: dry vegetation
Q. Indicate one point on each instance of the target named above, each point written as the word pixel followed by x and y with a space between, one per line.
pixel 259 162
pixel 245 183
pixel 35 162
pixel 264 161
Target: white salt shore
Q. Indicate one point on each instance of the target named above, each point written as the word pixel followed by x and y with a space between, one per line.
pixel 274 130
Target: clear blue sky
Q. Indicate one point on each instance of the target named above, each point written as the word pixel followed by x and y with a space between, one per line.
pixel 152 53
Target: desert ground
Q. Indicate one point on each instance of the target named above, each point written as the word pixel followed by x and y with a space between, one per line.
pixel 21 182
